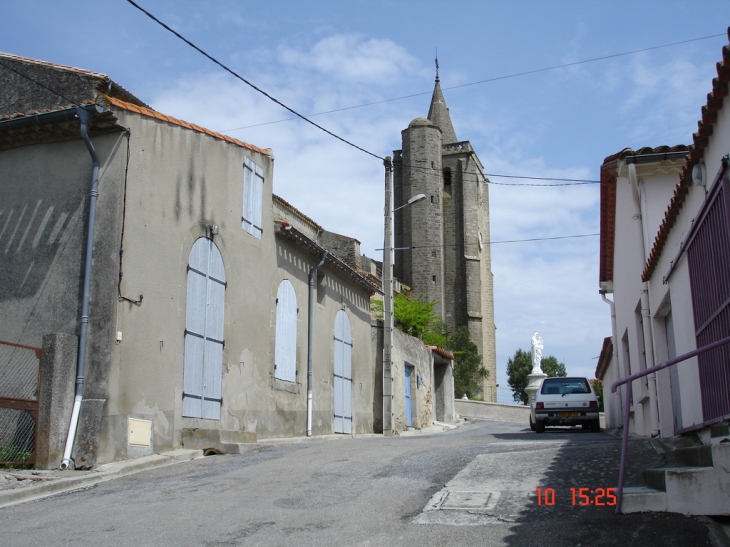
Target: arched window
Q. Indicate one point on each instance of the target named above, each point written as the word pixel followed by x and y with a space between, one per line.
pixel 285 357
pixel 447 180
pixel 204 314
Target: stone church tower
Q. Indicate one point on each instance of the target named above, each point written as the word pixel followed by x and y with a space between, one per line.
pixel 448 233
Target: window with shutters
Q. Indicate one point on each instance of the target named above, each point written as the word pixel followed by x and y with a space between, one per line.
pixel 204 314
pixel 253 190
pixel 285 353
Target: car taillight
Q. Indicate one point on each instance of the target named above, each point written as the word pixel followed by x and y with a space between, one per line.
pixel 539 405
pixel 594 404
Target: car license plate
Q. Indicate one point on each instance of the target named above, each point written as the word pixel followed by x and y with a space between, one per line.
pixel 567 414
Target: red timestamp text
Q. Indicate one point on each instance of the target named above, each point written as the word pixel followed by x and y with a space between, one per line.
pixel 583 497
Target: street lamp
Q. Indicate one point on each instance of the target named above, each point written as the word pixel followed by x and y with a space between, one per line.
pixel 388 298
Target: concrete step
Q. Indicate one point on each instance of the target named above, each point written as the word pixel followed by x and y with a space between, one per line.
pixel 219 441
pixel 690 490
pixel 720 430
pixel 641 499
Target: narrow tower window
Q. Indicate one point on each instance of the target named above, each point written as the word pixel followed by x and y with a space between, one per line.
pixel 447 181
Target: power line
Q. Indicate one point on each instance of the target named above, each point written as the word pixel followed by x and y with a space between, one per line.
pixel 493 242
pixel 236 75
pixel 569 182
pixel 39 84
pixel 489 80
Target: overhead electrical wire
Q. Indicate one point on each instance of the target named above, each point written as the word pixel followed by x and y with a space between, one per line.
pixel 238 76
pixel 498 78
pixel 493 242
pixel 570 182
pixel 39 84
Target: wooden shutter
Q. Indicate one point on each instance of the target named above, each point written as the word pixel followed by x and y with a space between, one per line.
pixel 285 357
pixel 204 315
pixel 253 189
pixel 343 374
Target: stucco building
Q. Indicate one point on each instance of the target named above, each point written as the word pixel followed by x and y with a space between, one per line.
pixel 665 260
pixel 197 324
pixel 444 244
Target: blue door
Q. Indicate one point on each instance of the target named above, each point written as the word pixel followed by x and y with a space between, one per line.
pixel 343 374
pixel 409 419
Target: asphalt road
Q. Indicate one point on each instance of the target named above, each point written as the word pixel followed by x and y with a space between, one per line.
pixel 475 485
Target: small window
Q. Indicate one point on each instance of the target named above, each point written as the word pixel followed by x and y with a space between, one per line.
pixel 285 356
pixel 253 190
pixel 447 180
pixel 321 286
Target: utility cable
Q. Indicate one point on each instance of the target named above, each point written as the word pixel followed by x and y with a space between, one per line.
pixel 498 78
pixel 236 75
pixel 39 84
pixel 578 181
pixel 571 182
pixel 491 242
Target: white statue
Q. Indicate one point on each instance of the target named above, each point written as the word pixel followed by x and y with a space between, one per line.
pixel 536 353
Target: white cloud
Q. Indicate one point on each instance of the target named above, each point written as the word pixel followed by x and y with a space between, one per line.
pixel 545 286
pixel 352 58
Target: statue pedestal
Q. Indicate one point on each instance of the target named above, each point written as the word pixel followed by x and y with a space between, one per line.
pixel 533 383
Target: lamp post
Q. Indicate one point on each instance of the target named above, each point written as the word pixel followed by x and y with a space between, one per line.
pixel 388 298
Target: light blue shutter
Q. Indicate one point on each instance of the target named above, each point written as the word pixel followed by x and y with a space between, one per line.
pixel 258 193
pixel 343 374
pixel 253 188
pixel 285 357
pixel 204 316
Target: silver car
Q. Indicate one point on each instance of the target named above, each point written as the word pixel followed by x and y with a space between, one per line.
pixel 564 401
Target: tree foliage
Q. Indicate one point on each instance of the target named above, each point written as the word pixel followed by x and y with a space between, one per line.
pixel 417 318
pixel 598 388
pixel 519 368
pixel 468 369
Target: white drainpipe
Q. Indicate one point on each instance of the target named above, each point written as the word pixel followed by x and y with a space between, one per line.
pixel 614 341
pixel 645 306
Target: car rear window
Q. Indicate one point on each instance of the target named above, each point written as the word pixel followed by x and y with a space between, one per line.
pixel 563 386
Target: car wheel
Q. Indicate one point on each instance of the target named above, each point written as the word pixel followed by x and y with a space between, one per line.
pixel 596 426
pixel 532 424
pixel 539 427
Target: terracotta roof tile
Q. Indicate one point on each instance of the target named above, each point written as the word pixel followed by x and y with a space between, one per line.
pixel 705 129
pixel 46 64
pixel 169 119
pixel 442 352
pixel 608 202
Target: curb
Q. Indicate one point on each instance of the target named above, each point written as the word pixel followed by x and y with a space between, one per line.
pixel 102 473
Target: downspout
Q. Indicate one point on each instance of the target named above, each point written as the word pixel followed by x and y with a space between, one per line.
pixel 612 305
pixel 310 324
pixel 84 115
pixel 645 308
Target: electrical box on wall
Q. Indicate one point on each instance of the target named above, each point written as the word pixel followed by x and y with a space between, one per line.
pixel 139 432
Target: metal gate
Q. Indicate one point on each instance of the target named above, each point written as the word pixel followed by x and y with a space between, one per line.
pixel 19 381
pixel 709 267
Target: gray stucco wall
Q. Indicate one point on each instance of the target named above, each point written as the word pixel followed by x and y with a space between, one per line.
pixel 181 181
pixel 43 224
pixel 426 403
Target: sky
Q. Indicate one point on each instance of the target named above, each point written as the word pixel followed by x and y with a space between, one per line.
pixel 324 56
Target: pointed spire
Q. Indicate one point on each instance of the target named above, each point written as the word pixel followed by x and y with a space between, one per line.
pixel 438 113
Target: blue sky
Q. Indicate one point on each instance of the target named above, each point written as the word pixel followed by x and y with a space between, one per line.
pixel 326 55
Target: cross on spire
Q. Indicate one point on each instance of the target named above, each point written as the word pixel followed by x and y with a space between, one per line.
pixel 437 65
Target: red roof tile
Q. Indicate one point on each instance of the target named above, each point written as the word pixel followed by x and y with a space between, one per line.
pixel 705 129
pixel 169 119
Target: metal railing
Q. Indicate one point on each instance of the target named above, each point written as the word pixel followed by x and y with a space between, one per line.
pixel 627 403
pixel 19 382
